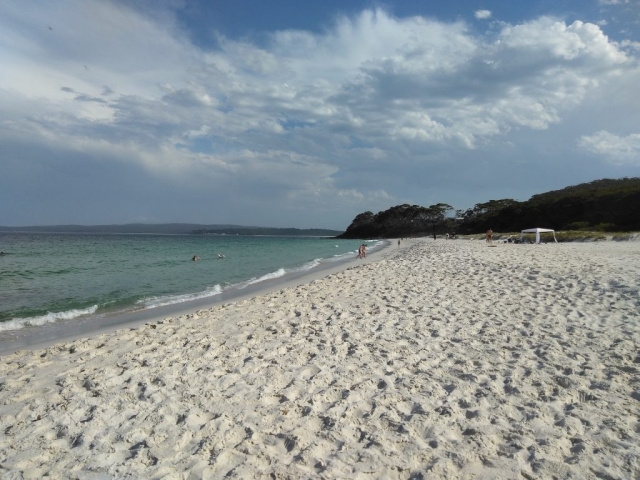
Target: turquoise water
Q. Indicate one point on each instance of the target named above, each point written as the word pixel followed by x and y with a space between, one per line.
pixel 46 278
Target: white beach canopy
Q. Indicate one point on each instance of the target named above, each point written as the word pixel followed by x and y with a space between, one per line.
pixel 538 231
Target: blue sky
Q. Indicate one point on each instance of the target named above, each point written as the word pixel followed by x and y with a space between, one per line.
pixel 304 114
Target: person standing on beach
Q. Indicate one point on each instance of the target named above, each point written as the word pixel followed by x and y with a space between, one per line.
pixel 398 242
pixel 489 235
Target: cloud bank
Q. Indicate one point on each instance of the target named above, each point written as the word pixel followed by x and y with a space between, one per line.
pixel 301 123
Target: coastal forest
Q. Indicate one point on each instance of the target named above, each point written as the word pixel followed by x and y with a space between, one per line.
pixel 603 205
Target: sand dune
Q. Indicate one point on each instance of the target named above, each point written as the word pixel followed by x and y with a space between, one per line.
pixel 443 359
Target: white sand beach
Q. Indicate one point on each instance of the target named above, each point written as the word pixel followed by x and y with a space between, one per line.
pixel 445 359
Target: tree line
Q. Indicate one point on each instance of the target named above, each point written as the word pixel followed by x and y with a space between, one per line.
pixel 400 221
pixel 602 205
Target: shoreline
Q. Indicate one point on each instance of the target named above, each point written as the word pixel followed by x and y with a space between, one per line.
pixel 55 332
pixel 444 360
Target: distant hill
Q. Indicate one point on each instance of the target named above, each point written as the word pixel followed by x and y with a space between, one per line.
pixel 293 232
pixel 602 205
pixel 172 228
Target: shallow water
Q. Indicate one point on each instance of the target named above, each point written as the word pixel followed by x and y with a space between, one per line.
pixel 47 278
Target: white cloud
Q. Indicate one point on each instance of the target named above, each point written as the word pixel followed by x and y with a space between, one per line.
pixel 615 149
pixel 483 14
pixel 559 41
pixel 630 45
pixel 374 75
pixel 80 43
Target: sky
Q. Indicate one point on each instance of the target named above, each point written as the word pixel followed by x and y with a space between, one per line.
pixel 298 114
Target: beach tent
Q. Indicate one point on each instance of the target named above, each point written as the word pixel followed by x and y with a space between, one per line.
pixel 538 231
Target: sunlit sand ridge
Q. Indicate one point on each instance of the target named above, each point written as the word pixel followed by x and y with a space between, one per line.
pixel 443 359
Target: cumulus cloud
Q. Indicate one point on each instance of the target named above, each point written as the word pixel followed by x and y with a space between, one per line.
pixel 630 45
pixel 615 149
pixel 483 14
pixel 299 113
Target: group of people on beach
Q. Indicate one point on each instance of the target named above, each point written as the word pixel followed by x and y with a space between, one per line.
pixel 362 251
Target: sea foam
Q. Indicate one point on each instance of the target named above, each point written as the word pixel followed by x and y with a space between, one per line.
pixel 277 274
pixel 153 302
pixel 50 317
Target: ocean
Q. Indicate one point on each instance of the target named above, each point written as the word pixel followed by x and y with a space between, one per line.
pixel 63 278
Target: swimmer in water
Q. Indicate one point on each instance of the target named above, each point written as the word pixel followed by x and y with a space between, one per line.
pixel 220 256
pixel 195 258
